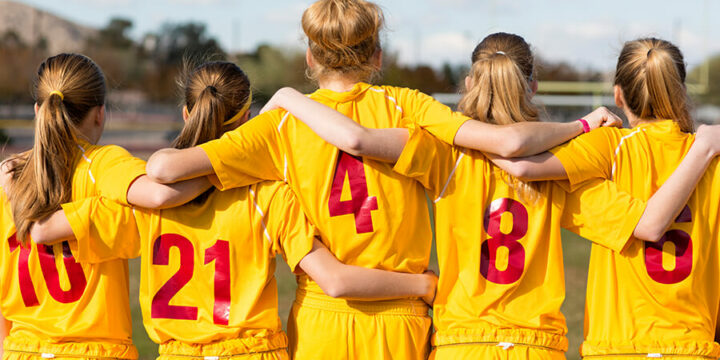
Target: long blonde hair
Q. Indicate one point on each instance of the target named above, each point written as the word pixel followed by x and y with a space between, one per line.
pixel 67 87
pixel 214 93
pixel 343 36
pixel 500 93
pixel 651 73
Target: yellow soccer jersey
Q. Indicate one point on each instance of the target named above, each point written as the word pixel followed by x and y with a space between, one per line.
pixel 207 269
pixel 500 254
pixel 367 214
pixel 46 294
pixel 653 297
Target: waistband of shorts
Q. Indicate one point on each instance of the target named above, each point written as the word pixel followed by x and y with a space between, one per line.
pixel 49 350
pixel 651 348
pixel 411 307
pixel 225 348
pixel 501 337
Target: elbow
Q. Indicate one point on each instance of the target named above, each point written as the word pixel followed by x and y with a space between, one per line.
pixel 159 170
pixel 354 144
pixel 513 147
pixel 37 234
pixel 648 233
pixel 160 200
pixel 335 287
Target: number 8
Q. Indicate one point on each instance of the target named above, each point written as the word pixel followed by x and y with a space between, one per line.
pixel 489 248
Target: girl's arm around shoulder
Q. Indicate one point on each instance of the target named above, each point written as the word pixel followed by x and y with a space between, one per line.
pixel 528 138
pixel 170 165
pixel 667 203
pixel 338 129
pixel 544 166
pixel 354 282
pixel 145 192
pixel 53 229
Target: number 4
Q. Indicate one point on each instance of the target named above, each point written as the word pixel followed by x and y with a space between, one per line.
pixel 360 204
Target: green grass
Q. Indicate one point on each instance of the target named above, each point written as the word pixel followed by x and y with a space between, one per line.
pixel 575 248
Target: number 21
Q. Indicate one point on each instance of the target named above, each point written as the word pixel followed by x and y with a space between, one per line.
pixel 220 253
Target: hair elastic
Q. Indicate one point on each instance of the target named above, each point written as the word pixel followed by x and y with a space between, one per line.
pixel 500 52
pixel 240 113
pixel 58 93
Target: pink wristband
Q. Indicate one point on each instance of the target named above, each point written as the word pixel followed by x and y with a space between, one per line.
pixel 586 127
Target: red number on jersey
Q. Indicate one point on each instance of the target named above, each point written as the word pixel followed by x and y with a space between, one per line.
pixel 489 249
pixel 360 204
pixel 52 278
pixel 220 253
pixel 26 286
pixel 161 307
pixel 683 254
pixel 50 273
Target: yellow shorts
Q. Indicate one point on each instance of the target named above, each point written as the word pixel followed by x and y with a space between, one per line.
pixel 322 327
pixel 31 349
pixel 273 347
pixel 494 352
pixel 652 349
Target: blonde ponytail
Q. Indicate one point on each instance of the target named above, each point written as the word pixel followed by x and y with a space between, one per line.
pixel 215 92
pixel 651 72
pixel 500 93
pixel 67 87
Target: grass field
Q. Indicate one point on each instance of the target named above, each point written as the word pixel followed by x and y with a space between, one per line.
pixel 576 251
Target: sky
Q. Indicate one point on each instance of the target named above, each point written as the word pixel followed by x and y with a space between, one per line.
pixel 587 34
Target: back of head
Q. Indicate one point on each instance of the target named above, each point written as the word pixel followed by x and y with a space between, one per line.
pixel 651 74
pixel 67 88
pixel 500 92
pixel 501 76
pixel 343 36
pixel 216 95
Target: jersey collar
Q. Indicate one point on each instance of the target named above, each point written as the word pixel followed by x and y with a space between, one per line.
pixel 663 129
pixel 338 97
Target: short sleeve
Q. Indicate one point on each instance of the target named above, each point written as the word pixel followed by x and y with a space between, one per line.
pixel 432 115
pixel 599 211
pixel 428 160
pixel 249 154
pixel 115 169
pixel 588 156
pixel 289 228
pixel 104 229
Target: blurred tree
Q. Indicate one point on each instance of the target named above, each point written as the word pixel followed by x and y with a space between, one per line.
pixel 116 53
pixel 563 71
pixel 115 34
pixel 163 54
pixel 711 77
pixel 421 77
pixel 18 62
pixel 270 68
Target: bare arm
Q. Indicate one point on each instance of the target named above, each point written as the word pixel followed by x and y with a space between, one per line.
pixel 346 281
pixel 544 166
pixel 667 203
pixel 338 129
pixel 147 193
pixel 169 165
pixel 528 138
pixel 51 230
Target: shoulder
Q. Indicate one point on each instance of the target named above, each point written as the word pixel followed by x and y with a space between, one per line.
pixel 104 152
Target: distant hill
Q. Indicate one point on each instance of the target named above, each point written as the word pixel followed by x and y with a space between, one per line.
pixel 32 25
